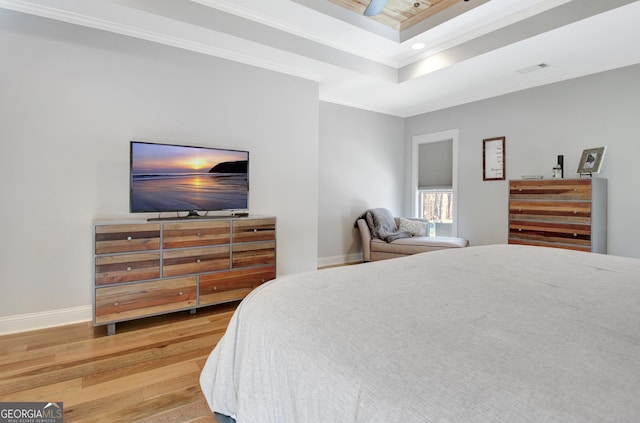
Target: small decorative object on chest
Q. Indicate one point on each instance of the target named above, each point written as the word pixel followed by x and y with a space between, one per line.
pixel 558 170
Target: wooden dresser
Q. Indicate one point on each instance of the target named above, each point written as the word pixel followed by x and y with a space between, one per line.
pixel 563 213
pixel 146 269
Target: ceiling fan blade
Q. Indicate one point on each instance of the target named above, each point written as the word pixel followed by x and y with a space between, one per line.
pixel 375 7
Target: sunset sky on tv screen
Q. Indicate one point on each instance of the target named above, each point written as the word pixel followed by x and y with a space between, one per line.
pixel 157 158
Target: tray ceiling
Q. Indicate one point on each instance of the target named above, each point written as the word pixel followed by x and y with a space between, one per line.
pixel 362 63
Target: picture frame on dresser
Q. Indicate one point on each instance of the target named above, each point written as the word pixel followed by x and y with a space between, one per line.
pixel 591 160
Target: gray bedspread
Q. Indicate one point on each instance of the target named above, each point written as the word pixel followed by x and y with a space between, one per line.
pixel 481 334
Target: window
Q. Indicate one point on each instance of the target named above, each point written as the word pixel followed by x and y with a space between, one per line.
pixel 436 205
pixel 434 180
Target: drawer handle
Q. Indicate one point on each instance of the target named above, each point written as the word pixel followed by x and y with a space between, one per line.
pixel 129 238
pixel 215 288
pixel 129 268
pixel 519 229
pixel 519 210
pixel 575 212
pixel 255 230
pixel 198 234
pixel 575 234
pixel 116 304
pixel 520 189
pixel 180 293
pixel 198 261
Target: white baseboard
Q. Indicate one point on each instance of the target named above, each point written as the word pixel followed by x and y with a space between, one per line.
pixel 45 319
pixel 338 260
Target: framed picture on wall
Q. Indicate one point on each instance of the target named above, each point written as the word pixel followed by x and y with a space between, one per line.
pixel 591 160
pixel 493 159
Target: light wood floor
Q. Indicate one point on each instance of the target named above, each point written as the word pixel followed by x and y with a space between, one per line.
pixel 148 372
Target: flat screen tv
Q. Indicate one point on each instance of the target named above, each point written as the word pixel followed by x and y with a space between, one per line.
pixel 180 178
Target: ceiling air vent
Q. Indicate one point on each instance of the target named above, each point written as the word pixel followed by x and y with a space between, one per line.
pixel 533 68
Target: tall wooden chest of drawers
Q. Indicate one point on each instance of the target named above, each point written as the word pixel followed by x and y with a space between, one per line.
pixel 563 213
pixel 147 269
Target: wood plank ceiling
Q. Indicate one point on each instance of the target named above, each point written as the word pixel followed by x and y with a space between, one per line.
pixel 400 14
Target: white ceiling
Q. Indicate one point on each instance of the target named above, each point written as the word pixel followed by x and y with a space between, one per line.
pixel 357 62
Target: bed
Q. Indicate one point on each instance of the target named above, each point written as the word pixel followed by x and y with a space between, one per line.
pixel 502 333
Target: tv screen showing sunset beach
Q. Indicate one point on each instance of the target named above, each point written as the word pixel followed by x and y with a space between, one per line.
pixel 172 178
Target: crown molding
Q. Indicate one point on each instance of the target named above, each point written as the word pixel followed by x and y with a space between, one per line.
pixel 300 31
pixel 153 36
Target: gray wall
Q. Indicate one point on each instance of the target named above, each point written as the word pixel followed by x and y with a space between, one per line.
pixel 71 100
pixel 540 123
pixel 361 167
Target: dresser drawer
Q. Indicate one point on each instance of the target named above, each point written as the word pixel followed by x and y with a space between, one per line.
pixel 233 285
pixel 254 254
pixel 251 230
pixel 545 243
pixel 123 302
pixel 560 189
pixel 564 233
pixel 126 238
pixel 195 260
pixel 196 234
pixel 112 269
pixel 566 211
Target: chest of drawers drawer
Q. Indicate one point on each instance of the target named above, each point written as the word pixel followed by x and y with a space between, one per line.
pixel 111 269
pixel 254 230
pixel 195 260
pixel 254 254
pixel 126 238
pixel 123 302
pixel 226 286
pixel 195 234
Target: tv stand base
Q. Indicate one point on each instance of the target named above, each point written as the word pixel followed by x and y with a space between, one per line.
pixel 194 216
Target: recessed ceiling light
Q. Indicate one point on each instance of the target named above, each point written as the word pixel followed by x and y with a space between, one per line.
pixel 418 46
